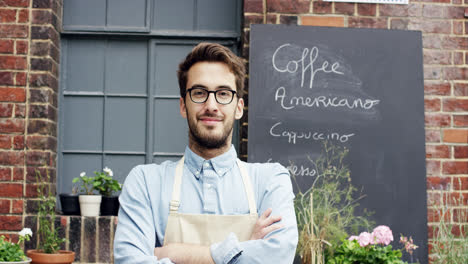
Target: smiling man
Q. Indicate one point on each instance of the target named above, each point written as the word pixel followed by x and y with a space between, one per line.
pixel 208 207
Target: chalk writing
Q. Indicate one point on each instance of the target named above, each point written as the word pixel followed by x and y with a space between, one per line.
pixel 304 64
pixel 293 136
pixel 299 170
pixel 321 101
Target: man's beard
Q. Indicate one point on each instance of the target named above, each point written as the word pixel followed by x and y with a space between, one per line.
pixel 207 141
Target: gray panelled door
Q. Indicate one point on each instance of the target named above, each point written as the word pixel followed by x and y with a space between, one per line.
pixel 119 97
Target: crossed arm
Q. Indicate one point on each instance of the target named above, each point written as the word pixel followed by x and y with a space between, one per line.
pixel 195 254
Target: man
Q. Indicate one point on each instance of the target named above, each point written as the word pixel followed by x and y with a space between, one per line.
pixel 204 208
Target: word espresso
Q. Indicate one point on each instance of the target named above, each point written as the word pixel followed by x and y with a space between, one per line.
pixel 293 136
pixel 305 64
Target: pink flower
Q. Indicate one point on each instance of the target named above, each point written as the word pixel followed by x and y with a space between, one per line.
pixel 351 238
pixel 365 239
pixel 382 235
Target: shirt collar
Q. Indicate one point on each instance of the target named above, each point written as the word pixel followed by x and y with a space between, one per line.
pixel 221 164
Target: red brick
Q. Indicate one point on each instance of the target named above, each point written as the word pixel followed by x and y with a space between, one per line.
pixel 366 22
pixel 20 78
pixel 42 127
pixel 20 110
pixel 12 62
pixel 432 73
pixel 288 20
pixel 458 58
pixel 432 41
pixel 7 15
pixel 433 167
pixel 437 151
pixel 253 6
pixel 460 89
pixel 366 9
pixel 12 94
pixel 291 6
pixel 4 206
pixel 431 88
pixel 432 136
pixel 398 23
pixel 17 206
pixel 431 26
pixel 5 174
pixel 437 57
pixel 13 31
pixel 460 215
pixel 5 141
pixel 434 215
pixel 456 199
pixel 21 47
pixel 12 223
pixel 400 10
pixel 460 120
pixel 456 135
pixel 18 174
pixel 6 110
pixel 437 120
pixel 455 105
pixel 324 21
pixel 11 125
pixel 15 3
pixel 454 42
pixel 455 73
pixel 11 189
pixel 31 190
pixel 41 17
pixel 344 8
pixel 461 152
pixel 457 28
pixel 322 7
pixel 18 142
pixel 37 158
pixel 432 105
pixel 460 183
pixel 437 183
pixel 6 78
pixel 41 143
pixel 23 16
pixel 437 11
pixel 6 46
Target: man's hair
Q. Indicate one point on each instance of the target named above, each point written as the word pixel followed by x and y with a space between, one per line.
pixel 212 52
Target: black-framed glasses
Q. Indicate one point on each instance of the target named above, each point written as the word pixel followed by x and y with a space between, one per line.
pixel 200 95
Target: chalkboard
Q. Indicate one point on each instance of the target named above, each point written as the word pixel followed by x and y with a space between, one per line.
pixel 357 88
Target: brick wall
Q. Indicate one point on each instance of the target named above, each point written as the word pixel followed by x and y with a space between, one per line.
pixel 29 63
pixel 445 48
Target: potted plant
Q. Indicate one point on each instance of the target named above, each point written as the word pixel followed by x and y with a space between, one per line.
pixel 69 202
pixel 325 211
pixel 49 240
pixel 89 202
pixel 106 186
pixel 12 252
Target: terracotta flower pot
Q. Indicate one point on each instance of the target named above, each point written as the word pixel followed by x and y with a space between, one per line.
pixel 62 257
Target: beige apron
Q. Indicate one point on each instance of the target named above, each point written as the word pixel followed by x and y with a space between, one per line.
pixel 206 229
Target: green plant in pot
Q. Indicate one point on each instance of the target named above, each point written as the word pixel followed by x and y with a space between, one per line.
pixel 12 252
pixel 326 211
pixel 49 239
pixel 89 201
pixel 106 185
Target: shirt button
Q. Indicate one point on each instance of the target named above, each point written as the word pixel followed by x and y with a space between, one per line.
pixel 208 185
pixel 207 165
pixel 196 173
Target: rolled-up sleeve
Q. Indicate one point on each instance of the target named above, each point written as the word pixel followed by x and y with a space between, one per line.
pixel 135 236
pixel 278 246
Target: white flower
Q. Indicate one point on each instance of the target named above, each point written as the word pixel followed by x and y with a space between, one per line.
pixel 108 171
pixel 25 231
pixel 82 174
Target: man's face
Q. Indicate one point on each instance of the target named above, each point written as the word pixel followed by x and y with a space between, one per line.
pixel 210 123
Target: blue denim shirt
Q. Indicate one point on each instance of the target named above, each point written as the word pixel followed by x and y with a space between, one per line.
pixel 208 187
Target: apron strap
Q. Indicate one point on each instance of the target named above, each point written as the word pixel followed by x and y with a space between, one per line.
pixel 175 200
pixel 248 187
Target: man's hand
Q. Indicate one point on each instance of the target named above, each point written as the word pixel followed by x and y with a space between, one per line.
pixel 265 224
pixel 185 253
